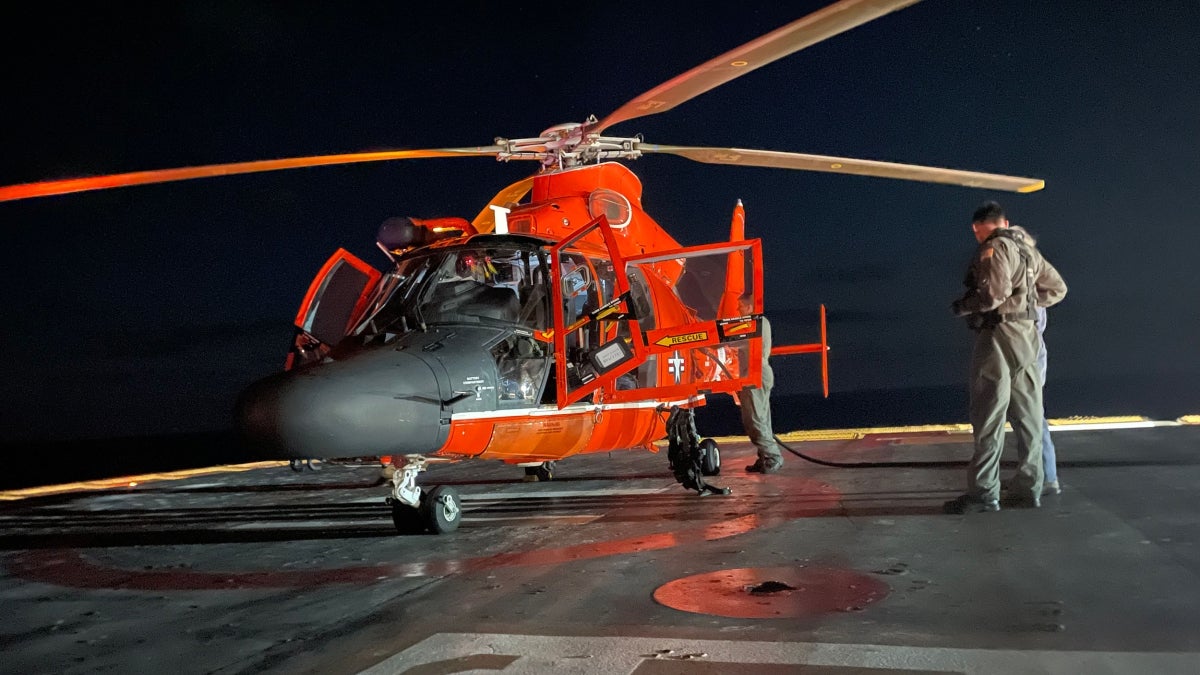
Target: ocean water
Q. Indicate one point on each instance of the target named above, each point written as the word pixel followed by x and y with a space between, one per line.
pixel 1159 397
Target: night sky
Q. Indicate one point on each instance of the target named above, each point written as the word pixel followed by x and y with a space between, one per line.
pixel 144 310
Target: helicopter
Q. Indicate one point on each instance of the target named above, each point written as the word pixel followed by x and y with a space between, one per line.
pixel 561 320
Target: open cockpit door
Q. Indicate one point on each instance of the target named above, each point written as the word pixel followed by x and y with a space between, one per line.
pixel 596 340
pixel 698 339
pixel 334 304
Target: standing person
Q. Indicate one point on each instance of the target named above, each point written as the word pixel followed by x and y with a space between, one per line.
pixel 755 404
pixel 1007 281
pixel 1049 461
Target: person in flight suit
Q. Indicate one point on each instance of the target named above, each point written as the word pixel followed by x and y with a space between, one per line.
pixel 1007 281
pixel 755 404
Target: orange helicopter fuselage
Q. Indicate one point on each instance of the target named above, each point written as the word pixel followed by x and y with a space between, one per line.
pixel 562 203
pixel 572 323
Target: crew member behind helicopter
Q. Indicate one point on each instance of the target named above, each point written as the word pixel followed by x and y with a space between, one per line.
pixel 755 403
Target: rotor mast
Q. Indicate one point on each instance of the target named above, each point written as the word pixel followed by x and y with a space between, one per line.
pixel 565 146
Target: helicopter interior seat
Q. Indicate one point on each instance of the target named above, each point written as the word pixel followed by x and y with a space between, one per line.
pixel 465 297
pixel 535 308
pixel 493 302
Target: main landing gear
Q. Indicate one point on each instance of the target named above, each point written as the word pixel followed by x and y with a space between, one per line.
pixel 691 458
pixel 415 510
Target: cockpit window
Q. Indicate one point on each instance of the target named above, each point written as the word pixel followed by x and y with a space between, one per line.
pixel 390 311
pixel 473 284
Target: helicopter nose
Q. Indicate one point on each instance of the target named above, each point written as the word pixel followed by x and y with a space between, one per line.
pixel 376 404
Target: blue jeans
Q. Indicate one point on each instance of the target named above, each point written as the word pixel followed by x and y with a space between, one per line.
pixel 1049 471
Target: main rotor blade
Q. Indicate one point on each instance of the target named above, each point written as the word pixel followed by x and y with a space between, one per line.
pixel 820 25
pixel 858 167
pixel 69 185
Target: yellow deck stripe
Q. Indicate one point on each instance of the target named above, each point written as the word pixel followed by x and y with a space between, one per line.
pixel 803 435
pixel 129 481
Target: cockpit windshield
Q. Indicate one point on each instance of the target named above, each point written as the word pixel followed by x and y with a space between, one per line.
pixel 503 284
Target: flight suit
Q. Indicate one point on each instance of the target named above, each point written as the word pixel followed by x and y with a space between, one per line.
pixel 756 408
pixel 1007 281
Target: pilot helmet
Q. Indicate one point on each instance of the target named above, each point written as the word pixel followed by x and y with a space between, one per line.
pixel 471 265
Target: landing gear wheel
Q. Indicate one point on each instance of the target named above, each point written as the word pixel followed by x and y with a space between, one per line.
pixel 441 509
pixel 545 472
pixel 686 456
pixel 408 519
pixel 710 457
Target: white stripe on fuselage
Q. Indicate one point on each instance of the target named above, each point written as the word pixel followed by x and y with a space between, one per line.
pixel 549 410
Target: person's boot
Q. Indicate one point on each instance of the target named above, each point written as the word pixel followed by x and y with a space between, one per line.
pixel 1023 501
pixel 969 504
pixel 764 466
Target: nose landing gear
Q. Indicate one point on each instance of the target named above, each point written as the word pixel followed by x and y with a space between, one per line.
pixel 414 510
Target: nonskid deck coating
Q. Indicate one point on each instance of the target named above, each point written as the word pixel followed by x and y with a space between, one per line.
pixel 266 570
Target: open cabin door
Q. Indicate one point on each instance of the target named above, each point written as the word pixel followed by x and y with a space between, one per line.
pixel 596 339
pixel 335 302
pixel 696 338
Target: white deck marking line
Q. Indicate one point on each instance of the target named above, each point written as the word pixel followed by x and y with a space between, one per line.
pixel 558 494
pixel 577 519
pixel 622 655
pixel 384 521
pixel 531 495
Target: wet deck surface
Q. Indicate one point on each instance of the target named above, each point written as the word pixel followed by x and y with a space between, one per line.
pixel 613 568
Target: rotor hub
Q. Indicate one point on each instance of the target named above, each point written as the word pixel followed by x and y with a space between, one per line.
pixel 567 145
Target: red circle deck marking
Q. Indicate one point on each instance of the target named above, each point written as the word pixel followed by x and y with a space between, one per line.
pixel 730 593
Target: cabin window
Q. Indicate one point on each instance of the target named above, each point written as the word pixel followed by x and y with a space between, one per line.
pixel 642 306
pixel 612 205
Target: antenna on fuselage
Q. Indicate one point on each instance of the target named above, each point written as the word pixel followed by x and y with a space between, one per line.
pixel 501 219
